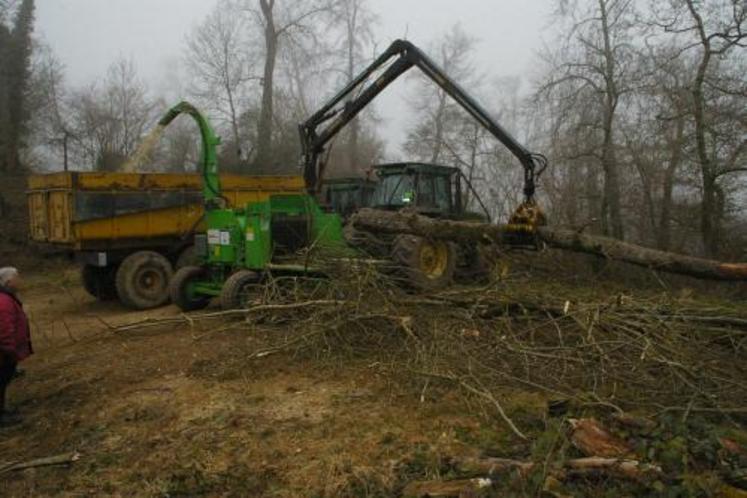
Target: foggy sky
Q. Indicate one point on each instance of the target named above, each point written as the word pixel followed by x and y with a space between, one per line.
pixel 87 35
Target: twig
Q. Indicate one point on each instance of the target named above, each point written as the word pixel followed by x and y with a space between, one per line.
pixel 478 392
pixel 65 458
pixel 190 319
pixel 497 405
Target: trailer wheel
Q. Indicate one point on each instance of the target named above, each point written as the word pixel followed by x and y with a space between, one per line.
pixel 99 282
pixel 238 289
pixel 181 291
pixel 427 265
pixel 188 257
pixel 143 280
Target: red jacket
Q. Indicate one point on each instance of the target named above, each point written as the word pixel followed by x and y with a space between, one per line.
pixel 15 337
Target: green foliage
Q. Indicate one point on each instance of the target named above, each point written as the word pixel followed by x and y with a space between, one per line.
pixel 15 61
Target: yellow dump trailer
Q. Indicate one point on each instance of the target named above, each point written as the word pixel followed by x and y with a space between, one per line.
pixel 133 227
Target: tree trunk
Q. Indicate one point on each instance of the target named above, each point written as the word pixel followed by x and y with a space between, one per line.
pixel 613 220
pixel 438 134
pixel 708 202
pixel 665 227
pixel 264 128
pixel 18 62
pixel 234 122
pixel 373 220
pixel 352 23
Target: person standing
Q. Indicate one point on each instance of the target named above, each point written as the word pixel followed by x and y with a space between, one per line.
pixel 15 337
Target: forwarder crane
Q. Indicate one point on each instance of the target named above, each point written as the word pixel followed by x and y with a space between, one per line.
pixel 317 131
pixel 278 235
pixel 431 190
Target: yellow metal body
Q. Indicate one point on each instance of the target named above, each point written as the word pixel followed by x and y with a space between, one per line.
pixel 53 200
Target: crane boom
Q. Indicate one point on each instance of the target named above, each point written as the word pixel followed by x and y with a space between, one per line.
pixel 314 139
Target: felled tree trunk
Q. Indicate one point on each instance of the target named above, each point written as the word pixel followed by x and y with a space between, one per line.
pixel 461 231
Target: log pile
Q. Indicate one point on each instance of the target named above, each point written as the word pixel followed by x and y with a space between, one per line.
pixel 379 221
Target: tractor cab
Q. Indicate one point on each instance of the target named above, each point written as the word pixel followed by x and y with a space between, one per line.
pixel 430 189
pixel 347 195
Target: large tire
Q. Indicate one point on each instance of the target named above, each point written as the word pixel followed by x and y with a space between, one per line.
pixel 237 288
pixel 180 292
pixel 426 265
pixel 99 282
pixel 476 267
pixel 188 257
pixel 143 280
pixel 365 242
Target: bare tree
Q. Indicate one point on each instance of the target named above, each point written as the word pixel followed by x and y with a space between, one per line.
pixel 715 30
pixel 219 58
pixel 47 99
pixel 437 115
pixel 108 122
pixel 656 133
pixel 279 19
pixel 594 62
pixel 357 22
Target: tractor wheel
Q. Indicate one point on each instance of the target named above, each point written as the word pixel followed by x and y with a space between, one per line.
pixel 143 280
pixel 427 265
pixel 188 257
pixel 238 289
pixel 99 282
pixel 181 292
pixel 365 242
pixel 477 266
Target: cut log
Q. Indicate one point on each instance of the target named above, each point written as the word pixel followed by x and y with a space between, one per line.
pixel 611 467
pixel 464 488
pixel 592 439
pixel 492 467
pixel 379 221
pixel 496 469
pixel 642 256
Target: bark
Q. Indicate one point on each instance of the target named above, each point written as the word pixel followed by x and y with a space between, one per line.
pixel 612 218
pixel 64 459
pixel 604 247
pixel 665 226
pixel 18 62
pixel 500 468
pixel 231 101
pixel 352 26
pixel 264 128
pixel 438 136
pixel 610 467
pixel 592 439
pixel 446 489
pixel 708 223
pixel 491 467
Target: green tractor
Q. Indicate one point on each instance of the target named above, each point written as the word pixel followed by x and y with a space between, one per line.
pixel 430 189
pixel 242 244
pixel 285 233
pixel 434 191
pixel 345 196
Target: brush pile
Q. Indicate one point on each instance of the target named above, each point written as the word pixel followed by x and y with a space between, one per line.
pixel 644 362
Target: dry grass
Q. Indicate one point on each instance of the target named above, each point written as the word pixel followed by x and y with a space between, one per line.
pixel 352 386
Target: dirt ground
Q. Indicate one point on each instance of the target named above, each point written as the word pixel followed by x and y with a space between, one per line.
pixel 184 412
